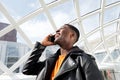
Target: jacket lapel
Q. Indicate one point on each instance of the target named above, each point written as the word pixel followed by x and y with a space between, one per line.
pixel 68 65
pixel 50 63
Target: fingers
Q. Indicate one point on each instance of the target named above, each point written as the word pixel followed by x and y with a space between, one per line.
pixel 46 41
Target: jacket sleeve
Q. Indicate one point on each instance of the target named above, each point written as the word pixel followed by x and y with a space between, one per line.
pixel 91 70
pixel 32 66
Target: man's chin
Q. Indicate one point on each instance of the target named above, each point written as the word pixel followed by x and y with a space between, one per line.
pixel 56 41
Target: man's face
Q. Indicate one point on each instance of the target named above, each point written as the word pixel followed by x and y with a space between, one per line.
pixel 62 35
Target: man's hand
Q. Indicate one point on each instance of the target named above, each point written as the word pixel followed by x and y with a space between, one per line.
pixel 46 41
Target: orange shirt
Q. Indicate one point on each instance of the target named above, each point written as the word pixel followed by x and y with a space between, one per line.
pixel 57 66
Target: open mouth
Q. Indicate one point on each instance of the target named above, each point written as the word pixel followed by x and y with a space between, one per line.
pixel 57 35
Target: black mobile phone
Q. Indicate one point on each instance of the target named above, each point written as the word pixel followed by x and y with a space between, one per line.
pixel 52 38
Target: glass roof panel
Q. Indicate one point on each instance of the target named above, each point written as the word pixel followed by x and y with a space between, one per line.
pixel 100 48
pixel 111 14
pixel 11 54
pixel 108 59
pixel 3 19
pixel 37 28
pixel 41 25
pixel 81 45
pixel 91 23
pixel 94 39
pixel 49 1
pixel 20 8
pixel 111 1
pixel 63 13
pixel 87 6
pixel 100 56
pixel 1 71
pixel 108 30
pixel 111 42
pixel 115 53
pixel 20 39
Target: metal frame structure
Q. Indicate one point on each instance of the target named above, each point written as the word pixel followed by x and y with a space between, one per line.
pixel 45 8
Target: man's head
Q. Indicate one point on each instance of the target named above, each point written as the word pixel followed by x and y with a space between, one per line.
pixel 67 35
pixel 75 30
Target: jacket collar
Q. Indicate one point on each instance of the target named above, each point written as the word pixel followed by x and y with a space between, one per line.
pixel 75 51
pixel 69 63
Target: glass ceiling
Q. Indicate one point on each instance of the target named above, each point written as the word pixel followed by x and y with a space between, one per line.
pixel 97 20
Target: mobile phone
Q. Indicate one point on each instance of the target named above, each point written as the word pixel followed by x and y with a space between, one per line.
pixel 52 38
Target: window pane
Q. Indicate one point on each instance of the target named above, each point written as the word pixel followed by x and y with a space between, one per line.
pixel 20 8
pixel 49 1
pixel 81 45
pixel 12 59
pixel 91 23
pixel 115 53
pixel 20 39
pixel 87 6
pixel 1 71
pixel 100 56
pixel 37 28
pixel 111 14
pixel 12 49
pixel 101 48
pixel 111 42
pixel 63 13
pixel 94 40
pixel 110 29
pixel 3 19
pixel 111 1
pixel 108 59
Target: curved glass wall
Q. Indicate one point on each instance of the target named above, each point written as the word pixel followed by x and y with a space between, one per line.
pixel 25 22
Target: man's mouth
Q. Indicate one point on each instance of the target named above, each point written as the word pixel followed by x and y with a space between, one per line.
pixel 57 35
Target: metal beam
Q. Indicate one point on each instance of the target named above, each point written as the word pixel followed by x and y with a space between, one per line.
pixel 13 25
pixel 48 14
pixel 8 71
pixel 76 4
pixel 38 11
pixel 102 31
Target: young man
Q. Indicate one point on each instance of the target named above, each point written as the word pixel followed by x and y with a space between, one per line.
pixel 68 63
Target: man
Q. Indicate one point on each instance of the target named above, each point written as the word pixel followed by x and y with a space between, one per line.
pixel 68 63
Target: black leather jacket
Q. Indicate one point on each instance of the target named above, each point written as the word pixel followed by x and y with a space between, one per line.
pixel 76 66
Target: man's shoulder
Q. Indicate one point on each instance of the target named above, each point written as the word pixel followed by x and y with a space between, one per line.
pixel 77 53
pixel 89 56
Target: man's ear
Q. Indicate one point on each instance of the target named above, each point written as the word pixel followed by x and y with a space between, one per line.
pixel 72 36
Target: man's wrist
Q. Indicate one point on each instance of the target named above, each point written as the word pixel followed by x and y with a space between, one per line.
pixel 39 45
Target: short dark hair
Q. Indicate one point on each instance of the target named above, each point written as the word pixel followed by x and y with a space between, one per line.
pixel 74 29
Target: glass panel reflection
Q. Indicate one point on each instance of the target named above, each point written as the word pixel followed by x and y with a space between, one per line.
pixel 94 40
pixel 37 28
pixel 11 52
pixel 49 1
pixel 87 6
pixel 108 30
pixel 111 1
pixel 100 56
pixel 111 14
pixel 20 8
pixel 3 19
pixel 63 13
pixel 91 23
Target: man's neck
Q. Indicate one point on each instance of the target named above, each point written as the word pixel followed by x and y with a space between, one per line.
pixel 64 51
